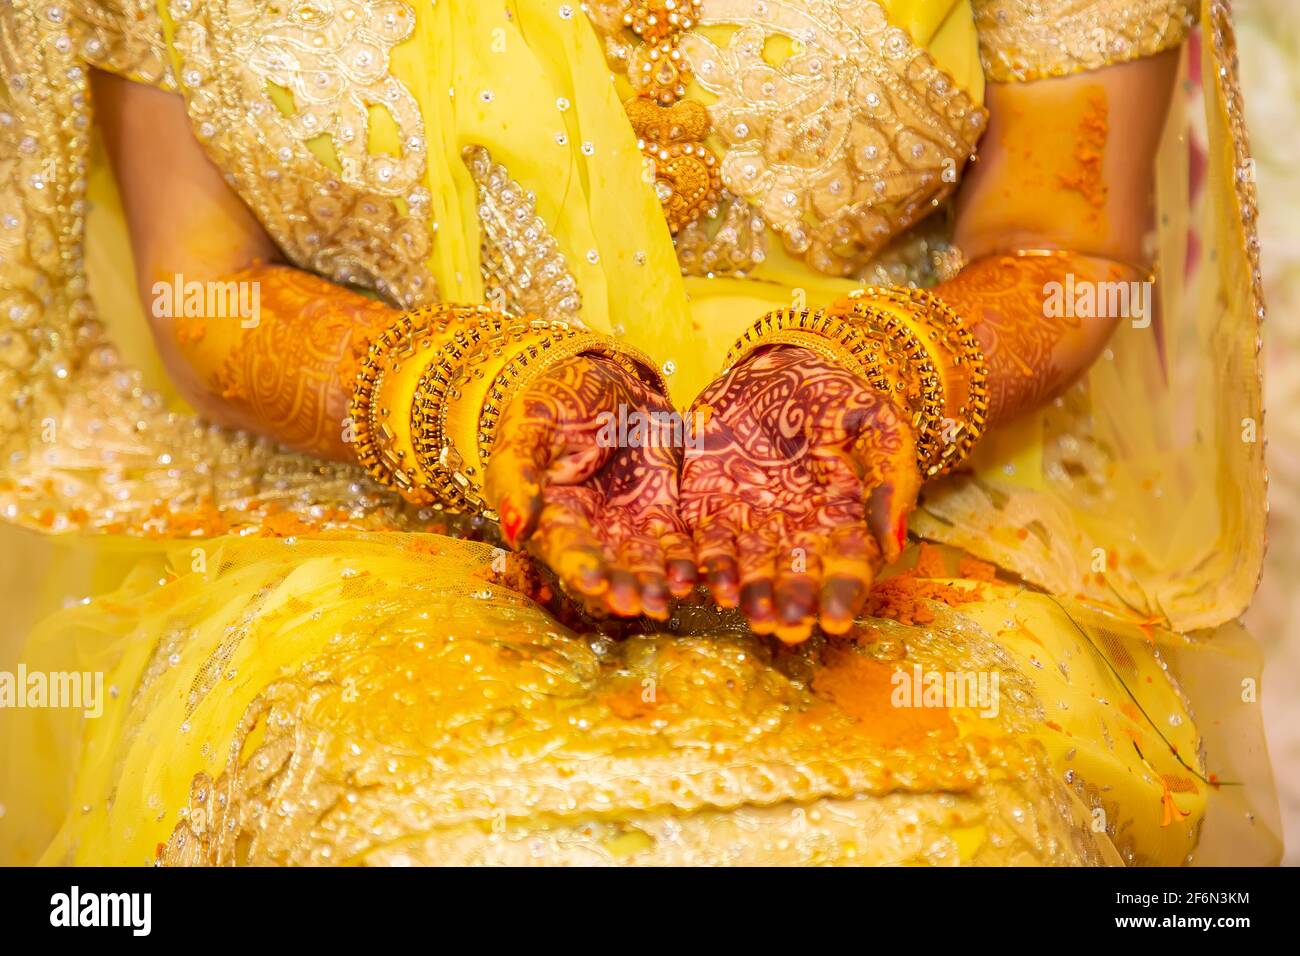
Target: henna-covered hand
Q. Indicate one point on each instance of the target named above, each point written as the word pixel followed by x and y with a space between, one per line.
pixel 801 491
pixel 602 512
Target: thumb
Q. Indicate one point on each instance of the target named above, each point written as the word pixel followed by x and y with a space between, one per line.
pixel 516 475
pixel 885 455
pixel 888 508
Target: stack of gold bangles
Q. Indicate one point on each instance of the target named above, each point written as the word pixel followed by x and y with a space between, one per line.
pixel 906 343
pixel 432 388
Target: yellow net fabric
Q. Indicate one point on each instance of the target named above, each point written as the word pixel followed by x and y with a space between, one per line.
pixel 385 698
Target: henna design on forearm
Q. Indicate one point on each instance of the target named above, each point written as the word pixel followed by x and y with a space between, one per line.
pixel 1032 353
pixel 290 374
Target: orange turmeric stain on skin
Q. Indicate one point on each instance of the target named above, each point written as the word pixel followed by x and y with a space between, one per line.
pixel 1087 176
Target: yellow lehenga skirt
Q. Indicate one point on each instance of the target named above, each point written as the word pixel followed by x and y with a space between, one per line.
pixel 385 698
pixel 288 695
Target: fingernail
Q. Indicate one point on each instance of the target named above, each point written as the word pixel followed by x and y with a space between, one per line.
pixel 511 523
pixel 794 635
pixel 835 626
pixel 681 575
pixel 590 580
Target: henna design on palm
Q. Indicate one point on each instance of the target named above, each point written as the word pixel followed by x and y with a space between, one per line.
pixel 801 492
pixel 602 514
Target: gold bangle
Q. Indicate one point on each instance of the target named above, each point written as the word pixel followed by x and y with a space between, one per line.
pixel 467 385
pixel 814 330
pixel 386 387
pixel 876 346
pixel 906 343
pixel 953 350
pixel 378 447
pixel 431 389
pixel 459 374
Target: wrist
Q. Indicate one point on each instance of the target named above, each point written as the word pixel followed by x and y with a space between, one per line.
pixel 926 347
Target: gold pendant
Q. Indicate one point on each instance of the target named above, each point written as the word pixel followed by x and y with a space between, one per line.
pixel 685 171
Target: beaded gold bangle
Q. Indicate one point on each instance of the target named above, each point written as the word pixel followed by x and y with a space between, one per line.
pixel 382 450
pixel 809 328
pixel 469 380
pixel 386 387
pixel 446 409
pixel 445 377
pixel 431 389
pixel 954 351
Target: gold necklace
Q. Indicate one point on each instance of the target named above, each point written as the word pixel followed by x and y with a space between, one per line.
pixel 670 129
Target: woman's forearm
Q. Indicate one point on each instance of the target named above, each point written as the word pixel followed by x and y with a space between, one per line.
pixel 1065 164
pixel 280 361
pixel 1042 319
pixel 250 343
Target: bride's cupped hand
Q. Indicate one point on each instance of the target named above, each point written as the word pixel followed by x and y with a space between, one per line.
pixel 598 506
pixel 799 491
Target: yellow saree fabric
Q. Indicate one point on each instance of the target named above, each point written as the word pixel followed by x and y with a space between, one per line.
pixel 375 699
pixel 327 697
